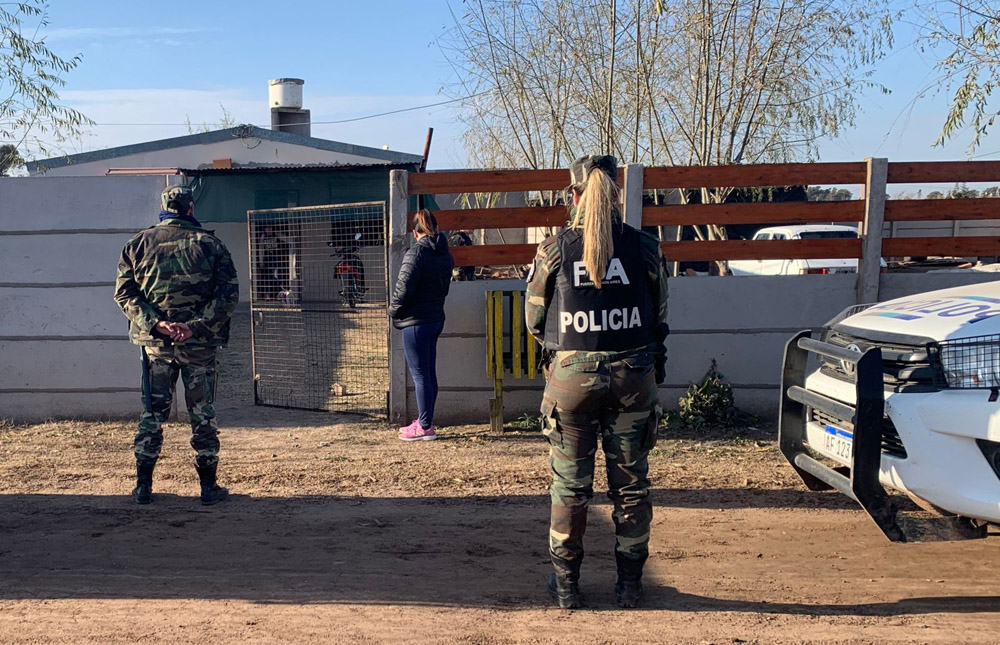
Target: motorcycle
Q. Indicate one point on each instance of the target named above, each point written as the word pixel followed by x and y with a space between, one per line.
pixel 350 272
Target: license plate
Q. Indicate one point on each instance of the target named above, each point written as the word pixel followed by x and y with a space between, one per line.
pixel 838 443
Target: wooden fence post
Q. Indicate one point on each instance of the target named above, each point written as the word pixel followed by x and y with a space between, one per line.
pixel 870 231
pixel 633 195
pixel 399 206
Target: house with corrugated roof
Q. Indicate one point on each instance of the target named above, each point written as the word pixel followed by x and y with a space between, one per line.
pixel 234 170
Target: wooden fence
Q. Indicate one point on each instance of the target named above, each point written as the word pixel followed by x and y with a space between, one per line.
pixel 870 211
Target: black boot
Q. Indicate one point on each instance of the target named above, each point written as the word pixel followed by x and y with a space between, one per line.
pixel 211 492
pixel 143 491
pixel 564 592
pixel 563 585
pixel 628 586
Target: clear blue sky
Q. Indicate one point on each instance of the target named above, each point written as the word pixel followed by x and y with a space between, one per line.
pixel 167 62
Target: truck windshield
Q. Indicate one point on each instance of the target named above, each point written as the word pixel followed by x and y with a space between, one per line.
pixel 827 235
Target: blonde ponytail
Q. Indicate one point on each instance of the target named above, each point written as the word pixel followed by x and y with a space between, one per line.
pixel 597 203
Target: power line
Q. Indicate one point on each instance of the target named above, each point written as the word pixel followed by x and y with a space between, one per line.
pixel 351 120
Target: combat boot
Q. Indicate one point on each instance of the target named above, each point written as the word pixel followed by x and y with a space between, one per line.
pixel 211 492
pixel 563 585
pixel 143 491
pixel 564 592
pixel 628 586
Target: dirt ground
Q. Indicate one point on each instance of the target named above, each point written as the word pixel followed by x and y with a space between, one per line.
pixel 338 532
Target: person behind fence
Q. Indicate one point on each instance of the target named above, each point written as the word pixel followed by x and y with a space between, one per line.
pixel 417 307
pixel 177 287
pixel 597 302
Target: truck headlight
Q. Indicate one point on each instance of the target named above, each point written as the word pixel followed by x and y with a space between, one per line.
pixel 972 363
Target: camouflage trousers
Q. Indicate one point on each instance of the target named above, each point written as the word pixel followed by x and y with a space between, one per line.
pixel 196 366
pixel 614 402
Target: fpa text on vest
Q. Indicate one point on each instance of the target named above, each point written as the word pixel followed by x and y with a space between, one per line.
pixel 614 275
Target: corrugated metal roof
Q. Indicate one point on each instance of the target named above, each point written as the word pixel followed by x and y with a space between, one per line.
pixel 227 134
pixel 272 168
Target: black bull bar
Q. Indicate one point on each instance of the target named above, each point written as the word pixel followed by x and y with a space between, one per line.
pixel 861 481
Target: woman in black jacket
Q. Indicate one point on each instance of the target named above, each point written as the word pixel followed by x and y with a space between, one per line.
pixel 417 307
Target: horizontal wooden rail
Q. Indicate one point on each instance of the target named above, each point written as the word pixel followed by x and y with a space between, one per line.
pixel 929 210
pixel 898 247
pixel 753 213
pixel 915 172
pixel 520 217
pixel 493 254
pixel 665 177
pixel 791 174
pixel 761 250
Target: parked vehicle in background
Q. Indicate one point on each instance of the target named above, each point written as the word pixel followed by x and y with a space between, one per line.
pixel 906 396
pixel 799 267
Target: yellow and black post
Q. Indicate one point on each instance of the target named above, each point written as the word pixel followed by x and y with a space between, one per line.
pixel 520 356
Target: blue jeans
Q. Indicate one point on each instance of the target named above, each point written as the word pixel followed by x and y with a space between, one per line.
pixel 420 347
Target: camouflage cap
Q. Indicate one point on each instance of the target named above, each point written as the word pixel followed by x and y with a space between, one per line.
pixel 580 169
pixel 177 199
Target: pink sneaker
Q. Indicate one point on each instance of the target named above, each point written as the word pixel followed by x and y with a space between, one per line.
pixel 415 432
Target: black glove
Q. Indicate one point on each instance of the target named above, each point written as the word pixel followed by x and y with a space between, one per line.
pixel 545 358
pixel 660 363
pixel 660 355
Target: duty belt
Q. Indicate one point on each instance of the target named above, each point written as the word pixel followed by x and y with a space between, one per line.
pixel 608 357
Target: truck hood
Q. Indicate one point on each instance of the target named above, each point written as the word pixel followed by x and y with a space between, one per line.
pixel 948 314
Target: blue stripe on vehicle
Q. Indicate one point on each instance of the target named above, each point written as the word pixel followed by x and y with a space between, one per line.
pixel 892 314
pixel 981 299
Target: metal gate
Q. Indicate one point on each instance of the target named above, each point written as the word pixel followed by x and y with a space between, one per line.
pixel 318 307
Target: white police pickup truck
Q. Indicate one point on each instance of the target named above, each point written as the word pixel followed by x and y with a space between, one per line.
pixel 904 396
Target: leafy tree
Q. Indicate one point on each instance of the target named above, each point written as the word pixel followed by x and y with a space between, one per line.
pixel 9 159
pixel 935 194
pixel 817 194
pixel 968 32
pixel 31 117
pixel 962 191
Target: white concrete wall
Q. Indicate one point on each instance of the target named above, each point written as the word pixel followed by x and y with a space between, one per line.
pixel 984 227
pixel 64 349
pixel 193 156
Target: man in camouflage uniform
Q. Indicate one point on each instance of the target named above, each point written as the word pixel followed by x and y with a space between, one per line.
pixel 597 394
pixel 177 287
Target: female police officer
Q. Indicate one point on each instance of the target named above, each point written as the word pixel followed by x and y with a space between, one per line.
pixel 597 301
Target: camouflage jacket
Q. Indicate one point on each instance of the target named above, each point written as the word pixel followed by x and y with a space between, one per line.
pixel 542 283
pixel 177 272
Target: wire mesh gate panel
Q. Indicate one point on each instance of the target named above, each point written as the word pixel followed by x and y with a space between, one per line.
pixel 320 333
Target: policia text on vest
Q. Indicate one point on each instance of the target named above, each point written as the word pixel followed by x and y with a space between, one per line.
pixel 584 321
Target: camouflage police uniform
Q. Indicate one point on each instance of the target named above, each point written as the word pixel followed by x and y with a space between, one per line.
pixel 177 272
pixel 598 396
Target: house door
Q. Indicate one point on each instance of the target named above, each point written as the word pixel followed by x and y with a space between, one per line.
pixel 318 307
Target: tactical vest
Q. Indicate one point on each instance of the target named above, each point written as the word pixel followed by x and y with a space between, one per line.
pixel 618 316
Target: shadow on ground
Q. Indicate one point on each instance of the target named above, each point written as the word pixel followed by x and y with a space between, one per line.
pixel 440 551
